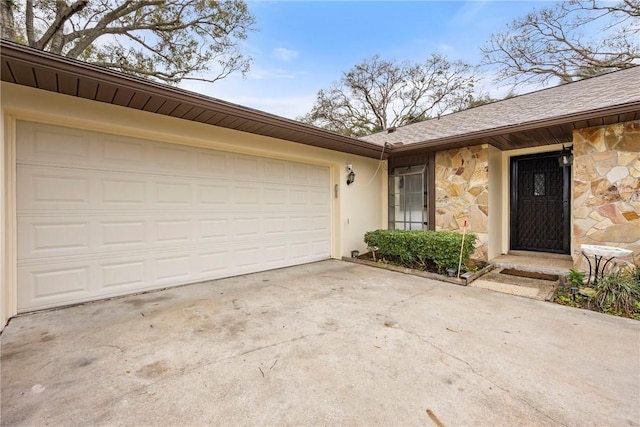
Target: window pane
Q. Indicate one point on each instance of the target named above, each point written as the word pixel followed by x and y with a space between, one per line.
pixel 407 198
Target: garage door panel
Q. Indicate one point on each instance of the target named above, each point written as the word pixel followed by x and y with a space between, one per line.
pixel 320 177
pixel 319 197
pixel 171 267
pixel 121 192
pixel 125 215
pixel 88 233
pixel 247 167
pixel 129 274
pixel 72 280
pixel 247 196
pixel 214 262
pixel 122 234
pixel 46 237
pixel 275 170
pixel 45 286
pixel 47 188
pixel 54 145
pixel 211 163
pixel 212 195
pixel 119 152
pixel 320 223
pixel 172 157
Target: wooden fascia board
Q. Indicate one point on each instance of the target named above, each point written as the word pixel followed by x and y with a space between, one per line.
pixel 94 74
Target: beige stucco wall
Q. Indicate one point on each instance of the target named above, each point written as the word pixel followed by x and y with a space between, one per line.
pixel 462 193
pixel 496 203
pixel 356 208
pixel 606 188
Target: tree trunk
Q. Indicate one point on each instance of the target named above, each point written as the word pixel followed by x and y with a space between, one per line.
pixel 7 23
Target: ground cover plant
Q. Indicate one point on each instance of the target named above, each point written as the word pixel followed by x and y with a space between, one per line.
pixel 434 251
pixel 617 293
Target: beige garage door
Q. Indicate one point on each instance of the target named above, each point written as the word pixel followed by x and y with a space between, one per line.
pixel 101 215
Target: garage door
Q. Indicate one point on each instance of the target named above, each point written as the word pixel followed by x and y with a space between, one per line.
pixel 101 215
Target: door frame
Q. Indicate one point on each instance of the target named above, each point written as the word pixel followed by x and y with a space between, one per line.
pixel 566 200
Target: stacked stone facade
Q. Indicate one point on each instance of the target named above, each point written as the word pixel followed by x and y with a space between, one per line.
pixel 606 188
pixel 462 184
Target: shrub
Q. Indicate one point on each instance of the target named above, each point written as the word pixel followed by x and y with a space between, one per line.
pixel 575 277
pixel 421 248
pixel 618 292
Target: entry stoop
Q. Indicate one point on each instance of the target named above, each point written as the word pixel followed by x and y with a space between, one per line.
pixel 527 274
pixel 537 262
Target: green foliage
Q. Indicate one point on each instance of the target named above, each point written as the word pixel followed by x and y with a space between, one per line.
pixel 575 277
pixel 168 41
pixel 421 248
pixel 618 293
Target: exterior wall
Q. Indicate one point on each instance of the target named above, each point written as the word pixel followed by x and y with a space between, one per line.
pixel 462 193
pixel 496 203
pixel 606 188
pixel 357 208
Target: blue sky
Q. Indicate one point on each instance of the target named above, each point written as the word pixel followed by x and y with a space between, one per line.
pixel 301 47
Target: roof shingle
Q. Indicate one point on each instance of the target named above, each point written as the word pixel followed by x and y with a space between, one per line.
pixel 597 94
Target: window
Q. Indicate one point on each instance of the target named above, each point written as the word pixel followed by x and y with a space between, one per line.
pixel 408 198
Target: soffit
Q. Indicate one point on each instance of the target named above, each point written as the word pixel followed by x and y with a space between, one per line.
pixel 42 70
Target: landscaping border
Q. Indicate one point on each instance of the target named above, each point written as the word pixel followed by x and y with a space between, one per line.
pixel 464 280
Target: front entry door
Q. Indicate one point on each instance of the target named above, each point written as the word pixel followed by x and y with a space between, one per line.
pixel 540 194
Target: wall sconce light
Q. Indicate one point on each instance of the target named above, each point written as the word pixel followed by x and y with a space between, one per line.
pixel 566 157
pixel 351 176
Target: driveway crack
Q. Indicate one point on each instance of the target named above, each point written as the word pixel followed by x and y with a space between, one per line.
pixel 479 374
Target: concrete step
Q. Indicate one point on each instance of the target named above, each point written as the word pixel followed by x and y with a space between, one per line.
pixel 516 285
pixel 535 262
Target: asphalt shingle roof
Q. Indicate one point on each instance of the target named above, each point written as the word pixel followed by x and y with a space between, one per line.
pixel 572 99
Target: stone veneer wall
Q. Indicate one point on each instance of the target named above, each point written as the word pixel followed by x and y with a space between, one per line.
pixel 606 188
pixel 462 184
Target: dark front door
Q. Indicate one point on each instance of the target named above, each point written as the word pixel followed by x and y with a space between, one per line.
pixel 540 203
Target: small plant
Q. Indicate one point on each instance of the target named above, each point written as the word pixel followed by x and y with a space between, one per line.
pixel 618 293
pixel 575 278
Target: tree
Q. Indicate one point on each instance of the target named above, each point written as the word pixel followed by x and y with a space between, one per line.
pixel 472 101
pixel 550 43
pixel 377 94
pixel 166 40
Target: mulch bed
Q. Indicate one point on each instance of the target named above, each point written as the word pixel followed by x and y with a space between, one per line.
pixel 431 272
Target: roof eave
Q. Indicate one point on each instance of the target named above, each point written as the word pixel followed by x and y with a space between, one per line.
pixel 44 60
pixel 484 136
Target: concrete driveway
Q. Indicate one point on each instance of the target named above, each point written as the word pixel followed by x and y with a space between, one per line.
pixel 321 344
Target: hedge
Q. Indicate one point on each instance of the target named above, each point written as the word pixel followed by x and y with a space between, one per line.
pixel 408 247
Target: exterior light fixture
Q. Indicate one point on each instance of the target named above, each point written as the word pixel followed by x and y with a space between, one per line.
pixel 351 176
pixel 566 157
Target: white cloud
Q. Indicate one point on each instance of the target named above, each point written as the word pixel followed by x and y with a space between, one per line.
pixel 469 12
pixel 261 73
pixel 445 47
pixel 284 54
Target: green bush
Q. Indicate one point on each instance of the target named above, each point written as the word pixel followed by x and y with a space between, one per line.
pixel 618 293
pixel 421 248
pixel 576 277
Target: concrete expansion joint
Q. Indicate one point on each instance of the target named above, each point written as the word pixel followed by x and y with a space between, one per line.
pixel 402 301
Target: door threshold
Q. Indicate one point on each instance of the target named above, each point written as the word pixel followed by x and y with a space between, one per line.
pixel 549 255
